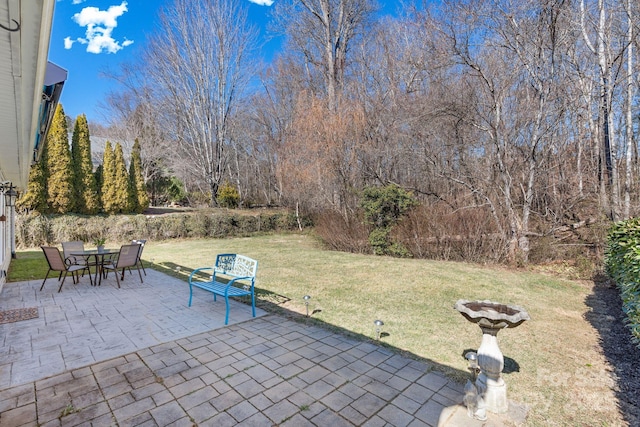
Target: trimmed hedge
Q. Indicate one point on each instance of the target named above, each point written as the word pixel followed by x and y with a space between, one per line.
pixel 622 262
pixel 33 230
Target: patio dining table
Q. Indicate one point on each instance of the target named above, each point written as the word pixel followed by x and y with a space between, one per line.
pixel 99 256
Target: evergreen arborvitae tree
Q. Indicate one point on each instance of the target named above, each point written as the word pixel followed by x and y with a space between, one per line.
pixel 35 198
pixel 98 175
pixel 58 165
pixel 84 182
pixel 108 190
pixel 122 193
pixel 136 181
pixel 133 189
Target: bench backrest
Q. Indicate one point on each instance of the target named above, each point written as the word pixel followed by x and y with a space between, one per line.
pixel 236 265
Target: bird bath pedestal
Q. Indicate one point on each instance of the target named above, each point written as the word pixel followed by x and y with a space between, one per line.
pixel 491 317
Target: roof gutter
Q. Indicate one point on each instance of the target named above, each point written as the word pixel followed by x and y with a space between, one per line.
pixel 53 83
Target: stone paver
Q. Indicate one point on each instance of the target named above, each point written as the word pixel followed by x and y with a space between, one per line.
pixel 139 356
pixel 86 324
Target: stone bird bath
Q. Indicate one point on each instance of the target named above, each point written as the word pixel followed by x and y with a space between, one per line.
pixel 491 317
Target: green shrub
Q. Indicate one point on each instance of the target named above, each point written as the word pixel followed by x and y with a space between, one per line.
pixel 66 229
pixel 248 224
pixel 221 226
pixel 268 222
pixel 383 208
pixel 379 240
pixel 622 263
pixel 176 191
pixel 197 225
pixel 228 196
pixel 33 230
pixel 173 227
pixel 142 225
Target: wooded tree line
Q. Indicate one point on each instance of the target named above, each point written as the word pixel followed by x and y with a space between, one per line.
pixel 505 119
pixel 64 181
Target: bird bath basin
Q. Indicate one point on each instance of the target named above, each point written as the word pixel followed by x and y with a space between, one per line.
pixel 491 317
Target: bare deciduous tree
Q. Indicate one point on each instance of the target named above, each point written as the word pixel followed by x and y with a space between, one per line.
pixel 507 58
pixel 608 48
pixel 199 62
pixel 317 163
pixel 490 108
pixel 631 91
pixel 322 31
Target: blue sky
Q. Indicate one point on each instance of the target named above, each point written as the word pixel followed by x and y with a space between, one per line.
pixel 90 36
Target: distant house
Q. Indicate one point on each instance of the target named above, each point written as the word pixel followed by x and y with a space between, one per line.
pixel 97 148
pixel 30 88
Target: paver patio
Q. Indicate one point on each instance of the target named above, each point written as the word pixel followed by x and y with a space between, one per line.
pixel 138 356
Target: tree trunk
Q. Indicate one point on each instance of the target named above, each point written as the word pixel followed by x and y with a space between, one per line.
pixel 629 117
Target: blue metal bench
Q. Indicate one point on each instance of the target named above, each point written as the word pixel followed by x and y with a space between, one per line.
pixel 232 276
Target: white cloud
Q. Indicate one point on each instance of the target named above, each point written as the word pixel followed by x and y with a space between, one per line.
pixel 262 2
pixel 68 42
pixel 77 1
pixel 93 16
pixel 99 27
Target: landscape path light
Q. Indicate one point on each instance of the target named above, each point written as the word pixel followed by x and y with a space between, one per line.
pixel 379 324
pixel 472 358
pixel 306 299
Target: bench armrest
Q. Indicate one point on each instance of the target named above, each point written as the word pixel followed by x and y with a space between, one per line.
pixel 247 287
pixel 241 278
pixel 198 270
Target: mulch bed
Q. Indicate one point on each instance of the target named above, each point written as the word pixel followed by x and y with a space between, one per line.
pixel 622 353
pixel 18 314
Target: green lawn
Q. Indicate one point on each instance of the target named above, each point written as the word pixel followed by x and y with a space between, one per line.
pixel 554 361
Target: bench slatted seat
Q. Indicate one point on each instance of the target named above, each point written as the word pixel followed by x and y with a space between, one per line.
pixel 233 275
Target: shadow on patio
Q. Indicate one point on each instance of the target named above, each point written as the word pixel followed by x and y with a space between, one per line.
pixel 139 355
